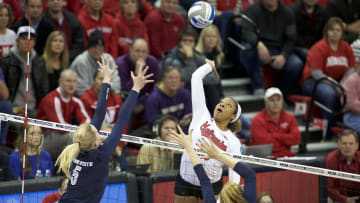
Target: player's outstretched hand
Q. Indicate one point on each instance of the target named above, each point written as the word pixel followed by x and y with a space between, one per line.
pixel 104 67
pixel 185 141
pixel 209 148
pixel 181 138
pixel 140 79
pixel 212 64
pixel 214 153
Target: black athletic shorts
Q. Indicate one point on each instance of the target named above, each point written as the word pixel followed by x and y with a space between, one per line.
pixel 183 188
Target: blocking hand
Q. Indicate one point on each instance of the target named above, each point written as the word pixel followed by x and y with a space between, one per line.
pixel 104 67
pixel 140 79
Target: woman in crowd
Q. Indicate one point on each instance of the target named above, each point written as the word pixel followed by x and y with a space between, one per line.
pixel 159 159
pixel 37 161
pixel 56 57
pixel 209 44
pixel 219 129
pixel 330 57
pixel 7 36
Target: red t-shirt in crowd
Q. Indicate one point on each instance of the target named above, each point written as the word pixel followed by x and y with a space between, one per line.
pixel 338 189
pixel 106 25
pixel 283 133
pixel 54 107
pixel 163 34
pixel 51 198
pixel 332 63
pixel 129 30
pixel 89 99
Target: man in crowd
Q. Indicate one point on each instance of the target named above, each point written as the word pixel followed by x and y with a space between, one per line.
pixel 86 64
pixel 61 106
pixel 169 98
pixel 137 58
pixel 14 69
pixel 274 47
pixel 310 18
pixel 164 26
pixel 92 18
pixel 42 25
pixel 275 126
pixel 346 159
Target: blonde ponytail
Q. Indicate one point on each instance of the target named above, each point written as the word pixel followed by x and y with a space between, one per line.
pixel 232 193
pixel 84 139
pixel 66 157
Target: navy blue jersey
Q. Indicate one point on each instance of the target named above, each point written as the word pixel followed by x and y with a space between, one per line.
pixel 90 170
pixel 244 171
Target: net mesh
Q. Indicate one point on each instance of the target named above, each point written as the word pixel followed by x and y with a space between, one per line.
pixel 148 174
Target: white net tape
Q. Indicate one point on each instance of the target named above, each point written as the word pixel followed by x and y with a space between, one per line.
pixel 173 146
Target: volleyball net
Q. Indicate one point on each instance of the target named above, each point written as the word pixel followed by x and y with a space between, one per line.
pixel 287 181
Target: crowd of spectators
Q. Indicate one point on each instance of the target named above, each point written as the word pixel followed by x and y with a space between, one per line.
pixel 300 42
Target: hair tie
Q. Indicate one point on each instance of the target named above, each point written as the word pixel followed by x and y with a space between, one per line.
pixel 238 113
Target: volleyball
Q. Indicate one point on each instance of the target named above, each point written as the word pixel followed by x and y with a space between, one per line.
pixel 201 14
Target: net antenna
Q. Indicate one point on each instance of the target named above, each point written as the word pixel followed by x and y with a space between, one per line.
pixel 26 110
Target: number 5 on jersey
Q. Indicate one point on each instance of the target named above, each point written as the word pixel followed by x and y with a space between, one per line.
pixel 75 175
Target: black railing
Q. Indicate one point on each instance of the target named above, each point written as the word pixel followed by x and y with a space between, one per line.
pixel 304 138
pixel 251 25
